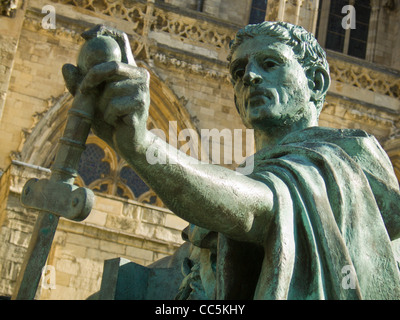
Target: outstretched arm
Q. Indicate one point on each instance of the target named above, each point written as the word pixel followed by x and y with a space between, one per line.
pixel 209 196
pixel 206 195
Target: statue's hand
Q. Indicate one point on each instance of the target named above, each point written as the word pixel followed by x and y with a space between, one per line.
pixel 121 91
pixel 123 102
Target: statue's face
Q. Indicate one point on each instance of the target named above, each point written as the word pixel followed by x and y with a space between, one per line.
pixel 271 87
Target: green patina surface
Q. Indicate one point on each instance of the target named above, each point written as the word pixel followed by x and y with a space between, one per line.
pixel 317 217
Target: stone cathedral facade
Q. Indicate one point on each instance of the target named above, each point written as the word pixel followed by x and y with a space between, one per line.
pixel 183 44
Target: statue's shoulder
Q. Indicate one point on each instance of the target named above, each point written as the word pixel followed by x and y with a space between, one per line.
pixel 352 141
pixel 362 147
pixel 315 138
pixel 330 135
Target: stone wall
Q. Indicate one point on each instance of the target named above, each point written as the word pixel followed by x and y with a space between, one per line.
pixel 35 79
pixel 115 228
pixel 234 11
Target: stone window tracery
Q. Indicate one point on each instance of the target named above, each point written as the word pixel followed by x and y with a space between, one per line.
pixel 103 171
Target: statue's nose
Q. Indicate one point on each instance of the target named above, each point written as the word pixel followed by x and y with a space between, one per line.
pixel 252 76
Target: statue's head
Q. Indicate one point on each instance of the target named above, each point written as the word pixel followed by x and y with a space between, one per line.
pixel 285 63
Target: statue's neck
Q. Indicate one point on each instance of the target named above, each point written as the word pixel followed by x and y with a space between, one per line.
pixel 273 136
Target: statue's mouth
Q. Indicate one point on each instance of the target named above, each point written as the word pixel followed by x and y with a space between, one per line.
pixel 261 92
pixel 260 95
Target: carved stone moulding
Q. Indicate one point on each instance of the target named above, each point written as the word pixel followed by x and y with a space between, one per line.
pixel 365 77
pixel 145 18
pixel 8 8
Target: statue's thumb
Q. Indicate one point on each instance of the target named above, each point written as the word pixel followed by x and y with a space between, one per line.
pixel 72 77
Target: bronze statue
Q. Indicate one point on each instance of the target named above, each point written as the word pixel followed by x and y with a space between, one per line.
pixel 321 204
pixel 316 217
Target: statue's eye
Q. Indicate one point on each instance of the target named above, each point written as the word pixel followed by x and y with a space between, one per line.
pixel 269 64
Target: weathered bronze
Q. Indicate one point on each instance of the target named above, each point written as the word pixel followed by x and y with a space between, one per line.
pixel 316 217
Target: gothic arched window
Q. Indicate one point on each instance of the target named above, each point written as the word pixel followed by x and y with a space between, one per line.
pixel 102 170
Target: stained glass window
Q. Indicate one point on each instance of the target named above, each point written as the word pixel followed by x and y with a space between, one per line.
pixel 102 170
pixel 133 181
pixel 91 165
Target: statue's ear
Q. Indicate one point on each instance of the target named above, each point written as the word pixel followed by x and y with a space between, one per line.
pixel 318 81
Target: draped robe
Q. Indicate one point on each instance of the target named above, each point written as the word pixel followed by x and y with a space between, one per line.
pixel 336 211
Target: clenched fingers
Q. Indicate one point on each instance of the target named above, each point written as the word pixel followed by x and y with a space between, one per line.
pixel 125 108
pixel 122 98
pixel 113 71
